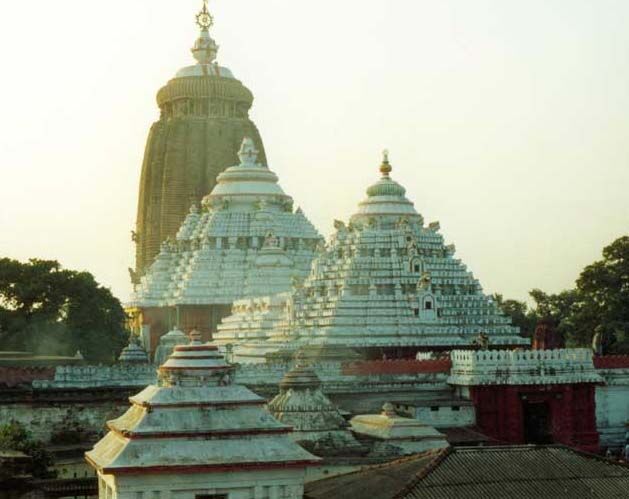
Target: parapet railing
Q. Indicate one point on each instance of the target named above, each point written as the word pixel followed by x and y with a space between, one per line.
pixel 526 367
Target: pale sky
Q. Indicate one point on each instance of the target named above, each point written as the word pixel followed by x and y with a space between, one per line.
pixel 507 121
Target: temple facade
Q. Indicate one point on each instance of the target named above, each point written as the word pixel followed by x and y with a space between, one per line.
pixel 246 240
pixel 386 285
pixel 204 115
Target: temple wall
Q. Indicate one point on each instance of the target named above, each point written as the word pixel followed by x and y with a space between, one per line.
pixel 440 415
pixel 278 482
pixel 64 416
pixel 612 407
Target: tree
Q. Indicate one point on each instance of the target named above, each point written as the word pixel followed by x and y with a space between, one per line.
pixel 14 436
pixel 599 302
pixel 603 289
pixel 50 310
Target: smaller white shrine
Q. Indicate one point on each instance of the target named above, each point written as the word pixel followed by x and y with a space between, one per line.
pixel 133 353
pixel 317 423
pixel 195 434
pixel 405 435
pixel 167 344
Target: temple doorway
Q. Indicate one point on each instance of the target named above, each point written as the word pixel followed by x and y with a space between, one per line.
pixel 537 423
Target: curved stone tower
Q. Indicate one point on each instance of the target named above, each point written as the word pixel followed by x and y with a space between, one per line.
pixel 204 118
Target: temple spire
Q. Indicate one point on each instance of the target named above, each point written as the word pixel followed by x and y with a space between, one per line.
pixel 205 48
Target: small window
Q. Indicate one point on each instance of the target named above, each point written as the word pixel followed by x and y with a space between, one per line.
pixel 416 312
pixel 434 408
pixel 416 267
pixel 428 305
pixel 455 408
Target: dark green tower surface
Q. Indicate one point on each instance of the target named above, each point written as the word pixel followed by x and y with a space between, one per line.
pixel 204 117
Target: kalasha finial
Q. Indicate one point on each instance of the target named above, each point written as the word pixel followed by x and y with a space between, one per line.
pixel 385 167
pixel 205 48
pixel 204 18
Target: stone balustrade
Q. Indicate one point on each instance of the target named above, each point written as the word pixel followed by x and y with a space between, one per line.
pixel 99 376
pixel 522 367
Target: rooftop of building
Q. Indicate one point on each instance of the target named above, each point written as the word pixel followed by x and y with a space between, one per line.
pixel 525 471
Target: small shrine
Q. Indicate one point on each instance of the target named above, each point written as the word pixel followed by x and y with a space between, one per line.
pixel 196 434
pixel 394 433
pixel 133 353
pixel 167 344
pixel 317 423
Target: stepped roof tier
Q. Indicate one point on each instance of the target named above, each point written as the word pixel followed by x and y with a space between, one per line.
pixel 317 424
pixel 133 353
pixel 385 280
pixel 204 111
pixel 167 344
pixel 408 435
pixel 196 421
pixel 246 241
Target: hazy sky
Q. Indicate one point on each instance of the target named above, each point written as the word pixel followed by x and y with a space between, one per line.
pixel 507 121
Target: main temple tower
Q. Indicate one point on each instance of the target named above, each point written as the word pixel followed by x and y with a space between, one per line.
pixel 204 116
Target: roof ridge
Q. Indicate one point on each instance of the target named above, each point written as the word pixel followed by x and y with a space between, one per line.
pixel 425 471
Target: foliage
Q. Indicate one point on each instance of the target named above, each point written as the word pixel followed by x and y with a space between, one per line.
pixel 599 302
pixel 50 310
pixel 14 436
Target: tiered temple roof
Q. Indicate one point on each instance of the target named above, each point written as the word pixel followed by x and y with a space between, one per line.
pixel 195 420
pixel 317 423
pixel 384 280
pixel 133 353
pixel 167 344
pixel 246 241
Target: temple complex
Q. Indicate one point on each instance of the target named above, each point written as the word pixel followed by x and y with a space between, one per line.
pixel 204 115
pixel 386 285
pixel 196 434
pixel 246 240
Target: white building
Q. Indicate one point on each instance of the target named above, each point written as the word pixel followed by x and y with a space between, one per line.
pixel 386 285
pixel 196 435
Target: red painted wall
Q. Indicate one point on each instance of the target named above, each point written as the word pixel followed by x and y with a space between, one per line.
pixel 500 412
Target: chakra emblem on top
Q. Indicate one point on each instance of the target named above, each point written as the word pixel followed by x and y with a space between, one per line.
pixel 204 18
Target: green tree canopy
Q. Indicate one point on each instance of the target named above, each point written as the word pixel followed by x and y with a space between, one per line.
pixel 50 310
pixel 599 302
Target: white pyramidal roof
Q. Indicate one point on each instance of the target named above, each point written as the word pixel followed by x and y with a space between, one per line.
pixel 246 241
pixel 195 420
pixel 302 405
pixel 384 280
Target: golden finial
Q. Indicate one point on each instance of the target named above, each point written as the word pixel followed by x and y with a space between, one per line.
pixel 204 18
pixel 385 167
